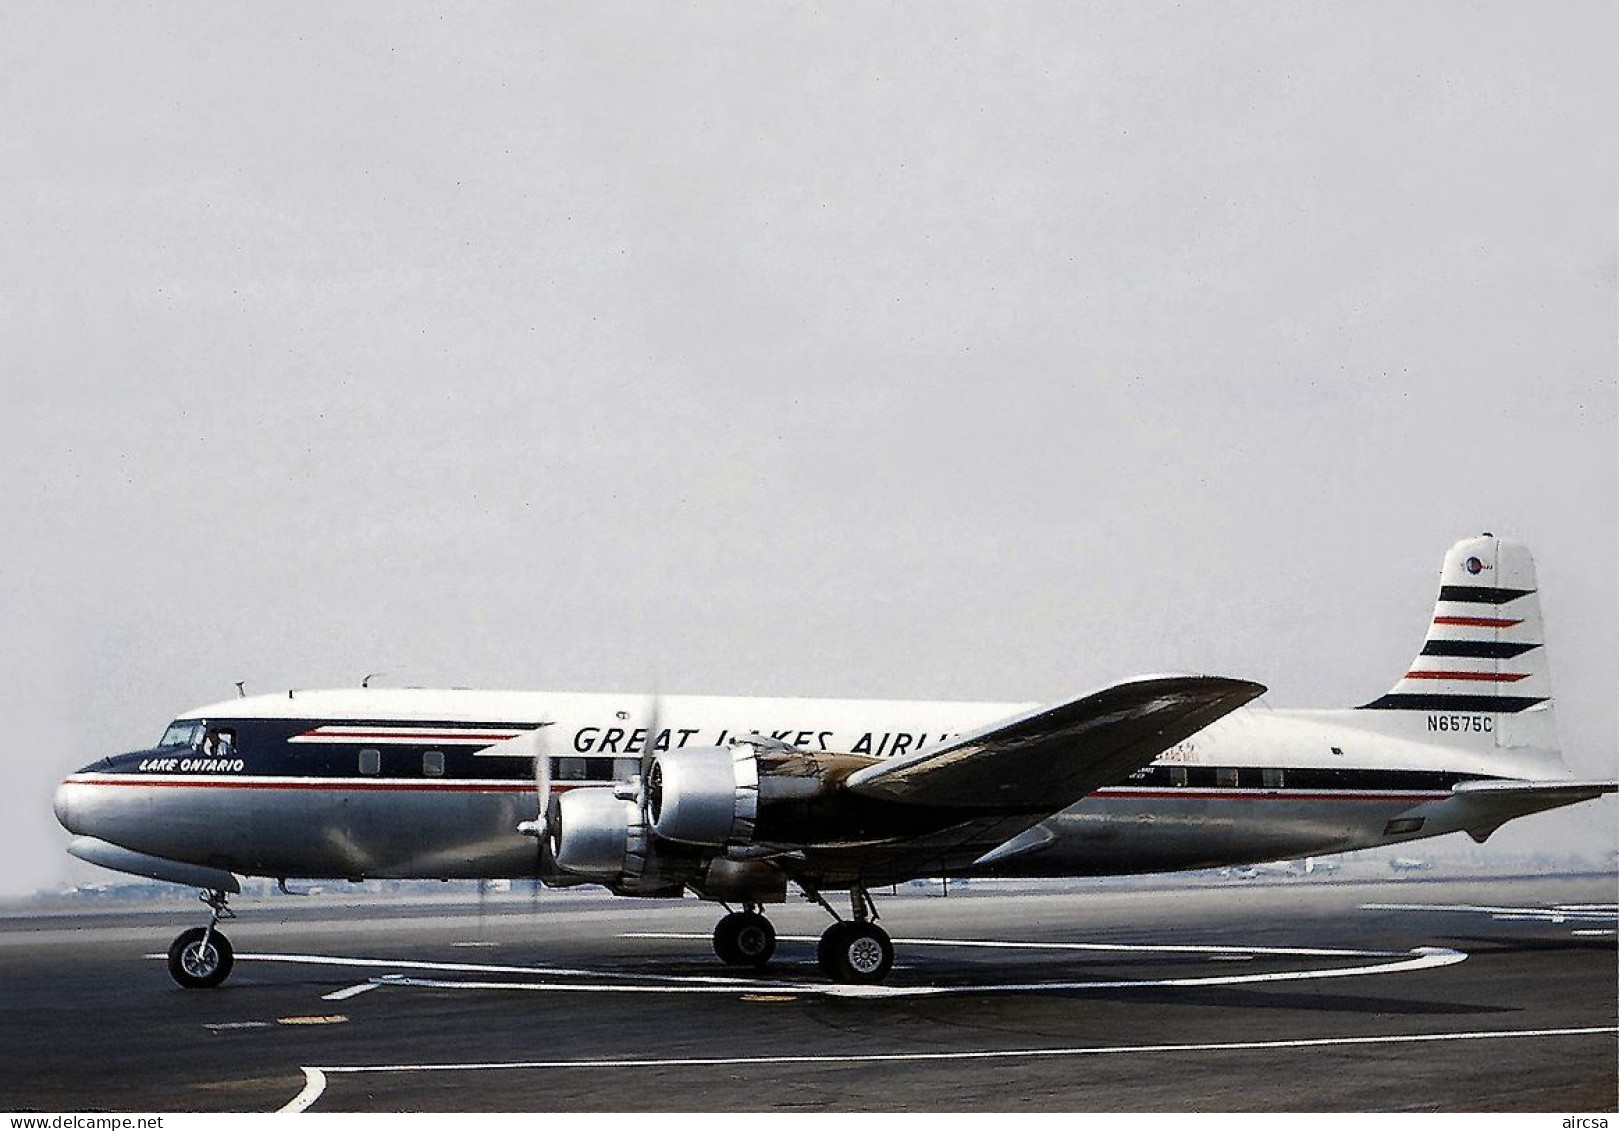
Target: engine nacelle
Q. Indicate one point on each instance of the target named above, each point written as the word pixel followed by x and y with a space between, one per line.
pixel 590 832
pixel 705 796
pixel 742 881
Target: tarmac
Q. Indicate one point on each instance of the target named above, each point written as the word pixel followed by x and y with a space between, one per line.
pixel 1291 996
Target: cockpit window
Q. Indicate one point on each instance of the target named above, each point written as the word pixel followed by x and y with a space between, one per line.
pixel 182 732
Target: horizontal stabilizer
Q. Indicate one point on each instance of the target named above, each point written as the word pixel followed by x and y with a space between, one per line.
pixel 1567 791
pixel 1481 807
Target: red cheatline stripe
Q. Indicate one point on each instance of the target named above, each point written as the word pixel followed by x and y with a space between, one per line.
pixel 1476 677
pixel 1477 622
pixel 336 784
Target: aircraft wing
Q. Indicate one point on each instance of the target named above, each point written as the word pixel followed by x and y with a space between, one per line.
pixel 981 797
pixel 1045 760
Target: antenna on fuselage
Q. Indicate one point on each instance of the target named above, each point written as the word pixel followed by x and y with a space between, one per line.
pixel 366 682
pixel 241 691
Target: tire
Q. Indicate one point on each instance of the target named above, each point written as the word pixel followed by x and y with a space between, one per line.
pixel 856 953
pixel 826 949
pixel 196 966
pixel 744 938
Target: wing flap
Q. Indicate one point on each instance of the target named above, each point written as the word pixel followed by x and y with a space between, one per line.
pixel 1045 760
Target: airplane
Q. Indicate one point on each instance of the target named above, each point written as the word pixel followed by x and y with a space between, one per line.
pixel 735 799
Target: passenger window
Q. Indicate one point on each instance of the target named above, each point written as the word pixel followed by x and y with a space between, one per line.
pixel 625 768
pixel 1177 775
pixel 570 769
pixel 1272 778
pixel 1226 777
pixel 433 763
pixel 371 761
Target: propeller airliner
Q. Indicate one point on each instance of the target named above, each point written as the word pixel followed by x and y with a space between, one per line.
pixel 738 799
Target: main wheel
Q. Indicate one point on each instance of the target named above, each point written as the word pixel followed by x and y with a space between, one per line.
pixel 200 958
pixel 855 953
pixel 744 938
pixel 826 949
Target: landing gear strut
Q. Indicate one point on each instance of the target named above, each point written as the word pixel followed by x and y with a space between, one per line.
pixel 202 957
pixel 855 951
pixel 745 938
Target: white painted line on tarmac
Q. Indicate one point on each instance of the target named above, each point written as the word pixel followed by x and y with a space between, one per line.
pixel 610 981
pixel 478 968
pixel 1423 958
pixel 606 987
pixel 352 991
pixel 1573 913
pixel 315 1078
pixel 314 1085
pixel 1144 948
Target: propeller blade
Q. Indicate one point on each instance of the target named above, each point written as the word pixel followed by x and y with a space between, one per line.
pixel 538 742
pixel 649 749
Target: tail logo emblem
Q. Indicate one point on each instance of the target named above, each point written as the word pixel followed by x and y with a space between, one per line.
pixel 1475 567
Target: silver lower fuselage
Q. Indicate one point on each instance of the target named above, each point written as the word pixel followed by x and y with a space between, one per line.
pixel 451 831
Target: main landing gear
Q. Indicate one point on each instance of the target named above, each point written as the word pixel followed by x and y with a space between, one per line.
pixel 745 938
pixel 201 958
pixel 855 951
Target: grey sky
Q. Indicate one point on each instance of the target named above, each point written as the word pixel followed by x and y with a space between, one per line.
pixel 903 350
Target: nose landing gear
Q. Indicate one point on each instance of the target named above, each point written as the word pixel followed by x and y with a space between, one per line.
pixel 201 958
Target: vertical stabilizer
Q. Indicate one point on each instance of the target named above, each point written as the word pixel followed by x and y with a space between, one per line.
pixel 1485 650
pixel 1483 668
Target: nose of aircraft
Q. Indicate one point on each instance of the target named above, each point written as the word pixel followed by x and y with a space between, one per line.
pixel 64 806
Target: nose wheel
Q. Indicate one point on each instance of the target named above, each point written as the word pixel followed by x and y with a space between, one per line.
pixel 202 957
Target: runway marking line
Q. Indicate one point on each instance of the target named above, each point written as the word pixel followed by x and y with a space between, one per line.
pixel 315 1079
pixel 475 968
pixel 1561 913
pixel 351 991
pixel 602 981
pixel 1003 944
pixel 1422 958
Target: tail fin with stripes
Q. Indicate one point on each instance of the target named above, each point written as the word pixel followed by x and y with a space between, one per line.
pixel 1485 651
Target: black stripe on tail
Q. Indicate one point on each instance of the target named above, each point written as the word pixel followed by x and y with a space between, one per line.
pixel 1483 704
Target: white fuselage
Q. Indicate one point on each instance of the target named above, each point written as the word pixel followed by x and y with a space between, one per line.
pixel 411 783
